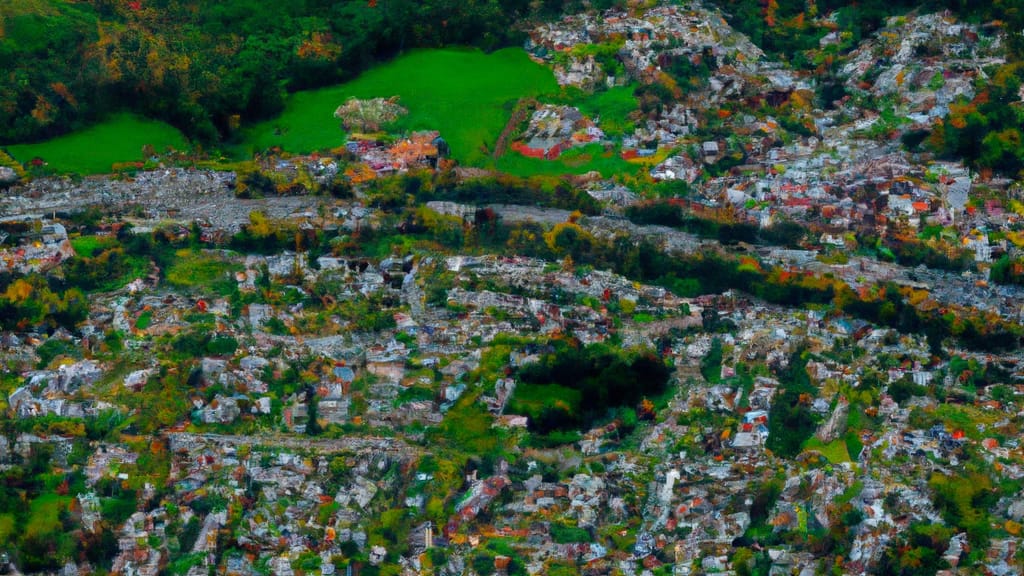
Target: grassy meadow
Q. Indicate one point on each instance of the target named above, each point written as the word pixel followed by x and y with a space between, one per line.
pixel 89 246
pixel 464 93
pixel 94 149
pixel 191 269
pixel 592 157
pixel 835 451
pixel 612 108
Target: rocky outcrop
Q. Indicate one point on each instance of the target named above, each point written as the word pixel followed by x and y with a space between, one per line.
pixel 8 177
pixel 835 426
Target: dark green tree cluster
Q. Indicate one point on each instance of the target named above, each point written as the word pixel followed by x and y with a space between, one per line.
pixel 199 343
pixel 790 422
pixel 690 71
pixel 98 272
pixel 918 552
pixel 904 388
pixel 31 302
pixel 605 378
pixel 911 253
pixel 711 363
pixel 674 214
pixel 964 501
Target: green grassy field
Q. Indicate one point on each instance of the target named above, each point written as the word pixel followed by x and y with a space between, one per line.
pixel 464 93
pixel 89 246
pixel 200 269
pixel 44 515
pixel 532 399
pixel 581 160
pixel 467 427
pixel 7 527
pixel 612 108
pixel 834 451
pixel 93 150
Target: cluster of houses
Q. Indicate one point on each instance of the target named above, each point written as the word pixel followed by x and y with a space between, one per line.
pixel 688 516
pixel 376 158
pixel 641 37
pixel 676 498
pixel 839 178
pixel 554 129
pixel 38 250
pixel 925 60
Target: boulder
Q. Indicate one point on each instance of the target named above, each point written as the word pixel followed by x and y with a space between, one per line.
pixel 8 176
pixel 1016 511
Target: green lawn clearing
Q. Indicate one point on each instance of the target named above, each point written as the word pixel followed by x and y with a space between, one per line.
pixel 532 399
pixel 464 93
pixel 94 149
pixel 44 515
pixel 192 269
pixel 7 527
pixel 611 108
pixel 592 157
pixel 834 451
pixel 89 246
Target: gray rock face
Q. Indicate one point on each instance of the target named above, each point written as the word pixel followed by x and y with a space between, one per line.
pixel 8 176
pixel 1016 511
pixel 835 426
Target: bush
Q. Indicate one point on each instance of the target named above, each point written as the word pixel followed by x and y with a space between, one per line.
pixel 117 510
pixel 53 348
pixel 222 346
pixel 852 517
pixel 903 389
pixel 569 534
pixel 853 445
